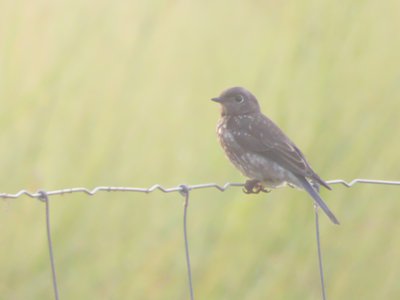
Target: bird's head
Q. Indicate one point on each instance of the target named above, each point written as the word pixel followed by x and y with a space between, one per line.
pixel 237 101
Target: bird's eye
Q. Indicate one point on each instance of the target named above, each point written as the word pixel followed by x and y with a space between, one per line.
pixel 239 98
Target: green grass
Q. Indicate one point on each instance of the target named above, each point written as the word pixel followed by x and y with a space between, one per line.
pixel 117 93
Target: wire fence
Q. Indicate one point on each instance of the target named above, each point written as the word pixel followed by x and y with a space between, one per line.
pixel 183 190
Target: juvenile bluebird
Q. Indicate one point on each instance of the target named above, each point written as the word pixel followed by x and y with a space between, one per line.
pixel 261 151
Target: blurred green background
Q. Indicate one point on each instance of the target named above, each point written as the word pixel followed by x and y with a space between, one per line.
pixel 116 93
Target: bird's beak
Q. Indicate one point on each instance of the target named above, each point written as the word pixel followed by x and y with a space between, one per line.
pixel 216 99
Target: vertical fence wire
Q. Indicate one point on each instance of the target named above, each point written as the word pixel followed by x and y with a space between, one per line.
pixel 185 193
pixel 320 265
pixel 43 197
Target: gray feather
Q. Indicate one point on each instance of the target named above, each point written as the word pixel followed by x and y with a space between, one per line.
pixel 313 193
pixel 261 135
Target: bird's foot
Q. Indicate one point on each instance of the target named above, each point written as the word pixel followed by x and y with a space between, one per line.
pixel 254 186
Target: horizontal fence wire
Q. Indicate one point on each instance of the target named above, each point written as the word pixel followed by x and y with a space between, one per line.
pixel 183 190
pixel 180 188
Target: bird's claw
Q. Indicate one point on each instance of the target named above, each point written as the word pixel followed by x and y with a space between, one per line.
pixel 254 187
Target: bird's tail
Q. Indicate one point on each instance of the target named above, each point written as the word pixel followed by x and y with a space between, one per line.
pixel 317 198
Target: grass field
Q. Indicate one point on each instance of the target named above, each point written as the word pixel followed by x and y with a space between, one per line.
pixel 116 93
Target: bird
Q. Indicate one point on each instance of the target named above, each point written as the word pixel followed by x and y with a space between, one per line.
pixel 261 151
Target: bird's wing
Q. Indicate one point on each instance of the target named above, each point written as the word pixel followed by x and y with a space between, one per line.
pixel 262 136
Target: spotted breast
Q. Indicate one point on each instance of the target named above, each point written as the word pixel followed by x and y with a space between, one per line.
pixel 250 164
